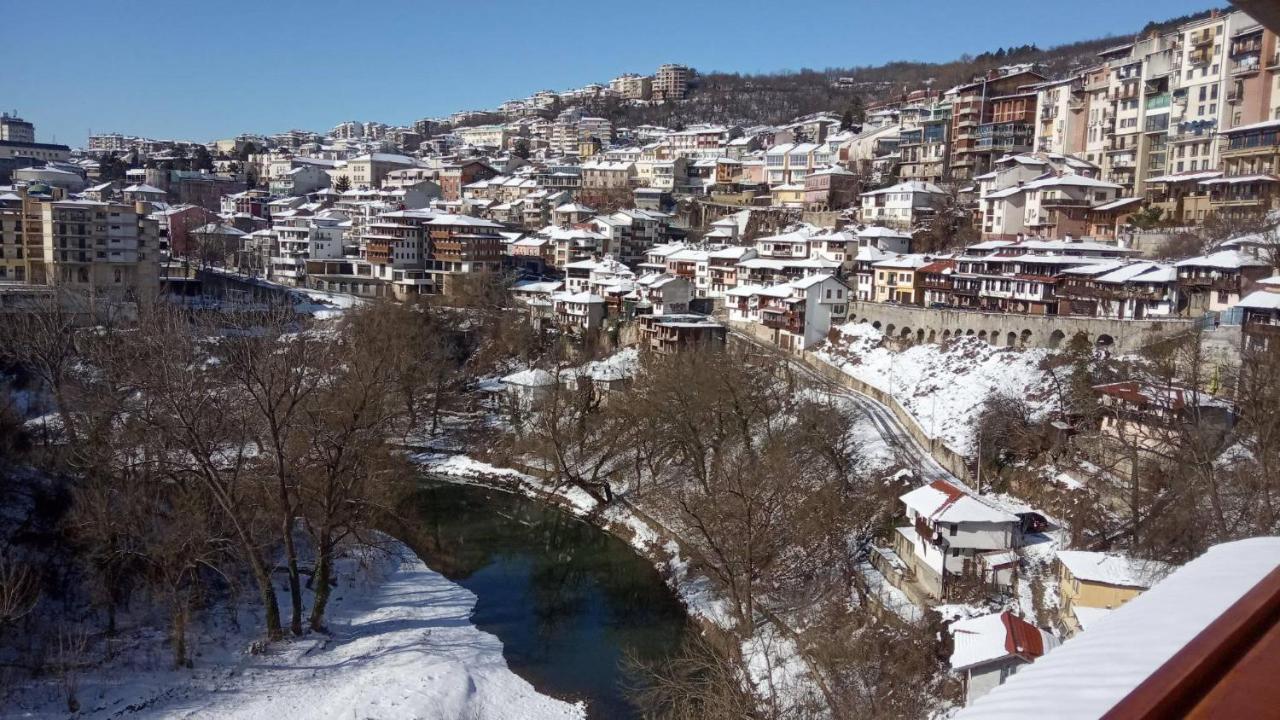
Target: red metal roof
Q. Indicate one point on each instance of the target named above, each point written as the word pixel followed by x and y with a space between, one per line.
pixel 1021 637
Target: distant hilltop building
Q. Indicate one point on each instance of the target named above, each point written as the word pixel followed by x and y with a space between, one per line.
pixel 671 82
pixel 632 86
pixel 15 129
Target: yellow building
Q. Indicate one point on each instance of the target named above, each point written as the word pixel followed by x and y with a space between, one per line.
pixel 1095 581
pixel 896 281
pixel 788 195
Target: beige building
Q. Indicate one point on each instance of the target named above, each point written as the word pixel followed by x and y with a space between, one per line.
pixel 1092 583
pixel 368 171
pixel 671 82
pixel 632 86
pixel 97 248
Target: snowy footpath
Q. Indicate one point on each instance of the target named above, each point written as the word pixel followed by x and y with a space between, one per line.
pixel 402 646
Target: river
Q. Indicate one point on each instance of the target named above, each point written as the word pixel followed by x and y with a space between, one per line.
pixel 569 602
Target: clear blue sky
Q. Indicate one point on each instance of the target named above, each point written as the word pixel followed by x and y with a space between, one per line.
pixel 206 70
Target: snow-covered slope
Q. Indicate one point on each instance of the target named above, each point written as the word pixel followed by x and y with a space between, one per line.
pixel 402 646
pixel 944 388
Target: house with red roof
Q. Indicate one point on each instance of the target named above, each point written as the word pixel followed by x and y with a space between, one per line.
pixel 989 649
pixel 951 532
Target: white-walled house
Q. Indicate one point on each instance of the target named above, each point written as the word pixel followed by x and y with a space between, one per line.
pixel 902 205
pixel 884 239
pixel 1219 280
pixel 578 312
pixel 663 294
pixel 798 314
pixel 989 649
pixel 949 529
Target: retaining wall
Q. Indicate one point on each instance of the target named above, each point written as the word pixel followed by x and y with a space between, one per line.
pixel 921 324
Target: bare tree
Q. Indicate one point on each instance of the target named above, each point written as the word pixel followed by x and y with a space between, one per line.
pixel 207 432
pixel 270 361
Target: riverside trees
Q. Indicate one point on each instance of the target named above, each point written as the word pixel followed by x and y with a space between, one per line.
pixel 198 453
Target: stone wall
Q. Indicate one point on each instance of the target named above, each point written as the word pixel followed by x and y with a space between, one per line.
pixel 919 324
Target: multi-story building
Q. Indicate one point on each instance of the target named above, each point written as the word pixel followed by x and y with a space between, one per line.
pixel 1011 128
pixel 1261 321
pixel 15 129
pixel 671 82
pixel 700 141
pixel 1250 180
pixel 924 144
pixel 97 248
pixel 632 86
pixel 797 314
pixel 948 531
pixel 903 205
pixel 484 135
pixel 461 245
pixel 972 108
pixel 456 175
pixel 367 171
pixel 1061 118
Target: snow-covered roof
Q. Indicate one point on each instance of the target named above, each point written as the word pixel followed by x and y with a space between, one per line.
pixel 585 298
pixel 466 220
pixel 879 231
pixel 1112 569
pixel 910 186
pixel 1139 272
pixel 1264 125
pixel 143 188
pixel 904 262
pixel 944 502
pixel 1240 179
pixel 1225 259
pixel 1087 675
pixel 1117 203
pixel 534 377
pixel 1195 176
pixel 1261 300
pixel 994 637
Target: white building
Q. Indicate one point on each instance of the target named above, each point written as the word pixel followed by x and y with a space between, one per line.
pixel 903 205
pixel 947 532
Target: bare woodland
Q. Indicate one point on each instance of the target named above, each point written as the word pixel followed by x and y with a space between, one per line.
pixel 192 461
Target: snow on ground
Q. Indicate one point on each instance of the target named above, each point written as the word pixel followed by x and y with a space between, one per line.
pixel 889 596
pixel 402 646
pixel 942 386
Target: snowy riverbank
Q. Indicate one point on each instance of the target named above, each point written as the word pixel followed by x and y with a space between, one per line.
pixel 401 646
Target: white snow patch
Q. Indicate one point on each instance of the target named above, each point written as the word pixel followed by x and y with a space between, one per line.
pixel 402 646
pixel 943 388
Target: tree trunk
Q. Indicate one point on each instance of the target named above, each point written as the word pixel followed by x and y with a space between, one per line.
pixel 295 583
pixel 180 632
pixel 324 568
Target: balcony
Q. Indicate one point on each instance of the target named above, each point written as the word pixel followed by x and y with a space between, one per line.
pixel 1064 202
pixel 1245 66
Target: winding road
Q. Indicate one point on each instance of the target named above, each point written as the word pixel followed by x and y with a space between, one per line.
pixel 908 452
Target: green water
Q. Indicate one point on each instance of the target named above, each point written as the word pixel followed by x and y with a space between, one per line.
pixel 568 601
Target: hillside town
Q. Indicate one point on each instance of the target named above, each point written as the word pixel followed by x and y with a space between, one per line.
pixel 990 370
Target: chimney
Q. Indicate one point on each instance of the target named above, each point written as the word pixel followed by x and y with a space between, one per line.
pixel 1068 238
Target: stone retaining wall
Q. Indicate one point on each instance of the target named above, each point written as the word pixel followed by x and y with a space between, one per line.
pixel 919 324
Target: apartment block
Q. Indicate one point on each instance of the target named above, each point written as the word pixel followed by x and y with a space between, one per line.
pixel 671 82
